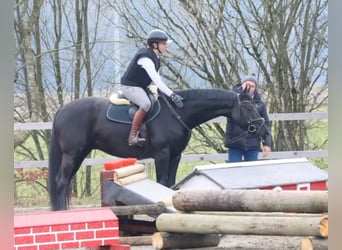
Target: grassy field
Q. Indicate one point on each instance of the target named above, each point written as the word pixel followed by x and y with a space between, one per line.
pixel 30 185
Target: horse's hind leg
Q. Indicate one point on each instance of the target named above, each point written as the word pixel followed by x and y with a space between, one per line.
pixel 63 180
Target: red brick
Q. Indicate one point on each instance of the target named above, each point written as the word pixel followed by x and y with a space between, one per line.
pixel 63 227
pixel 41 229
pixel 85 235
pixel 120 247
pixel 27 248
pixel 77 226
pixel 106 233
pixel 54 246
pixel 97 224
pixel 91 243
pixel 22 230
pixel 111 223
pixel 66 236
pixel 110 242
pixel 74 244
pixel 45 238
pixel 23 240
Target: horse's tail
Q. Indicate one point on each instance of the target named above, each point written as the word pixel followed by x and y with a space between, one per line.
pixel 55 159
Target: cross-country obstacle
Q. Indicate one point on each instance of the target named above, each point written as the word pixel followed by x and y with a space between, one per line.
pixel 245 212
pixel 71 229
pixel 299 212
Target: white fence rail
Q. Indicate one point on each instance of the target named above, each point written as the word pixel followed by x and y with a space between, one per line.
pixel 189 157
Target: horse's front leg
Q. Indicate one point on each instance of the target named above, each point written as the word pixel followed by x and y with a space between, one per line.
pixel 173 167
pixel 162 161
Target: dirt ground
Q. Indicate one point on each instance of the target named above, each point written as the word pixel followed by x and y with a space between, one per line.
pixel 248 242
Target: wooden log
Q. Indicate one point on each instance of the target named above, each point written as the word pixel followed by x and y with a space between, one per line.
pixel 251 201
pixel 149 209
pixel 269 214
pixel 127 171
pixel 145 240
pixel 314 243
pixel 257 225
pixel 166 240
pixel 131 179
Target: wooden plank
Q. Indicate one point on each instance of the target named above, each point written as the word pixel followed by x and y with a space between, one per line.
pixel 273 117
pixel 284 117
pixel 185 158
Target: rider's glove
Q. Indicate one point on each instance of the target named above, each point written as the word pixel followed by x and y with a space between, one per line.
pixel 178 100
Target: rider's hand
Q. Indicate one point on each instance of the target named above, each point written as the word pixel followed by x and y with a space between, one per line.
pixel 177 99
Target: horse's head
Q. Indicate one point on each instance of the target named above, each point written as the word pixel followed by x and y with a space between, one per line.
pixel 247 116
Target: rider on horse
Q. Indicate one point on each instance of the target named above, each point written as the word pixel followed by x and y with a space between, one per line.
pixel 141 72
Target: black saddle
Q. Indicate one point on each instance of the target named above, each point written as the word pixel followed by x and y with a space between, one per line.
pixel 121 110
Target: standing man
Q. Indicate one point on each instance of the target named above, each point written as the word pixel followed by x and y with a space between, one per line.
pixel 247 147
pixel 141 72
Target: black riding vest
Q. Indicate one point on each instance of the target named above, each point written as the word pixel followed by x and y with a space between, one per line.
pixel 135 74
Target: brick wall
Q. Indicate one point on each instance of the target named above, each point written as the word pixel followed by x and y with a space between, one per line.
pixel 67 229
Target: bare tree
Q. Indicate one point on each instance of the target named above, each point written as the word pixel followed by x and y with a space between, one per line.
pixel 54 65
pixel 216 42
pixel 71 49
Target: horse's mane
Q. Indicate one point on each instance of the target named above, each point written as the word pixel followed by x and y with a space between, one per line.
pixel 216 93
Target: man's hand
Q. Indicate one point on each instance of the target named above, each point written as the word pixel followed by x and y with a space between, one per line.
pixel 265 151
pixel 178 100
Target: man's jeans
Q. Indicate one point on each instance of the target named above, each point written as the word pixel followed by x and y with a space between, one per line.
pixel 238 154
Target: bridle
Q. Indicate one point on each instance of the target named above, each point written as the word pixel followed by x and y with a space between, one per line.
pixel 252 128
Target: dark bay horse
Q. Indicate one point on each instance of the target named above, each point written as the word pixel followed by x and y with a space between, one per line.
pixel 81 126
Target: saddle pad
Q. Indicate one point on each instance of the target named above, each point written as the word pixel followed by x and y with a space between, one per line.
pixel 121 113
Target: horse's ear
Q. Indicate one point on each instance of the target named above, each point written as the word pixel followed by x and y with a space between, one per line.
pixel 244 94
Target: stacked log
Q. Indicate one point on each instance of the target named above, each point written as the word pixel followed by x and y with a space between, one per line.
pixel 314 225
pixel 124 174
pixel 247 212
pixel 251 201
pixel 130 174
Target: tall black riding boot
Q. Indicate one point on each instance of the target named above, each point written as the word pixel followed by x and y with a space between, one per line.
pixel 134 139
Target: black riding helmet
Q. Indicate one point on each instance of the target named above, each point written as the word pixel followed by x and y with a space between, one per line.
pixel 156 36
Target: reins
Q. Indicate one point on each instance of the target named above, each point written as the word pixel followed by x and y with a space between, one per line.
pixel 175 114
